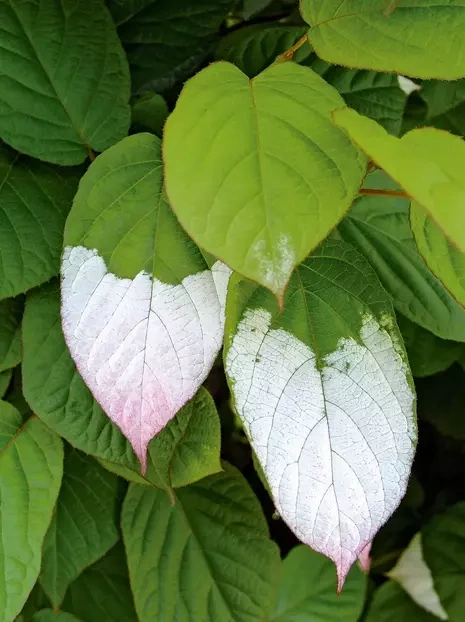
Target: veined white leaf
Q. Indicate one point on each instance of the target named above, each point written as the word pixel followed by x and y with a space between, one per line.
pixel 326 398
pixel 143 347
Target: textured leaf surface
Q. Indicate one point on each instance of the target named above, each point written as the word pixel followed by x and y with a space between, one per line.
pixel 35 199
pixel 102 592
pixel 220 559
pixel 307 590
pixel 187 450
pixel 445 105
pixel 427 163
pixel 416 38
pixel 46 111
pixel 391 604
pixel 443 259
pixel 31 466
pixel 54 389
pixel 11 312
pixel 143 315
pixel 326 398
pixel 84 525
pixel 379 228
pixel 262 177
pixel 166 41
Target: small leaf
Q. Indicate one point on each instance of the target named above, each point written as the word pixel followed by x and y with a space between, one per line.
pixel 326 398
pixel 11 313
pixel 149 112
pixel 84 525
pixel 307 590
pixel 422 39
pixel 45 110
pixel 31 467
pixel 221 559
pixel 143 315
pixel 262 178
pixel 48 615
pixel 5 379
pixel 391 604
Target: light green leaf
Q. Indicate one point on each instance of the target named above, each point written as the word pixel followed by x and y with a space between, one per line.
pixel 45 110
pixel 166 41
pixel 187 450
pixel 443 549
pixel 31 467
pixel 445 105
pixel 307 590
pixel 143 314
pixel 427 354
pixel 422 39
pixel 5 379
pixel 84 525
pixel 48 615
pixel 35 199
pixel 55 390
pixel 149 112
pixel 426 162
pixel 220 557
pixel 102 591
pixel 10 423
pixel 379 228
pixel 254 170
pixel 391 604
pixel 11 313
pixel 320 388
pixel 443 259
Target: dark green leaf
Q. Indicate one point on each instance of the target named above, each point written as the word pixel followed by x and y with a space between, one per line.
pixel 149 112
pixel 391 604
pixel 11 313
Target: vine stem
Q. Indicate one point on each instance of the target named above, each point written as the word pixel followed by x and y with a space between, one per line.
pixel 384 193
pixel 288 54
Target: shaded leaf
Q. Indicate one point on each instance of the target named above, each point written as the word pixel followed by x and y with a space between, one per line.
pixel 149 112
pixel 391 604
pixel 445 105
pixel 5 379
pixel 11 313
pixel 48 615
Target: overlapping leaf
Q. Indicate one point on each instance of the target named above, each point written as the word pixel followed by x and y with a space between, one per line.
pixel 11 312
pixel 391 604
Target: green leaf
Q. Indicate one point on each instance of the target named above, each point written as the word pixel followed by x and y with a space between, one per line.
pixel 262 178
pixel 84 526
pixel 166 41
pixel 31 467
pixel 220 557
pixel 55 390
pixel 48 615
pixel 443 259
pixel 422 39
pixel 307 590
pixel 320 388
pixel 5 379
pixel 149 112
pixel 426 162
pixel 379 228
pixel 143 314
pixel 102 591
pixel 45 110
pixel 252 7
pixel 35 199
pixel 37 600
pixel 391 604
pixel 443 545
pixel 11 313
pixel 445 105
pixel 10 423
pixel 187 450
pixel 427 354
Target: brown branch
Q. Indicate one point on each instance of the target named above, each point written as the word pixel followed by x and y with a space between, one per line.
pixel 288 54
pixel 400 194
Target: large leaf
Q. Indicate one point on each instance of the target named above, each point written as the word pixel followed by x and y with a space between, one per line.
pixel 416 38
pixel 102 592
pixel 35 199
pixel 143 314
pixel 379 228
pixel 165 41
pixel 31 466
pixel 64 79
pixel 391 604
pixel 11 313
pixel 220 558
pixel 445 104
pixel 254 170
pixel 84 526
pixel 187 450
pixel 307 591
pixel 326 397
pixel 427 163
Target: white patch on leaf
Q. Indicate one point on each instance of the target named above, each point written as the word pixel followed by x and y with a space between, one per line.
pixel 277 269
pixel 407 85
pixel 414 575
pixel 142 346
pixel 336 444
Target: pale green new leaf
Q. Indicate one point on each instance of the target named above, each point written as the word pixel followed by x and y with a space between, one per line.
pixel 391 604
pixel 307 590
pixel 84 525
pixel 31 467
pixel 254 169
pixel 220 557
pixel 11 313
pixel 64 79
pixel 379 228
pixel 411 37
pixel 35 199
